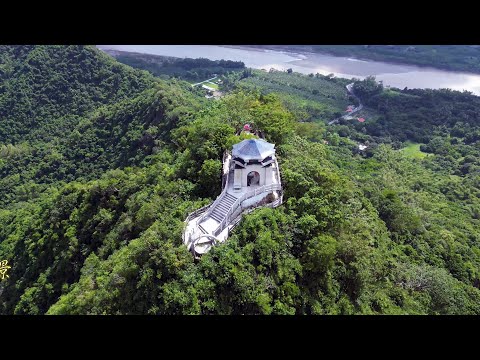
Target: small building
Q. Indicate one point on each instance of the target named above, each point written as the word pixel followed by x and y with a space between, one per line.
pixel 361 120
pixel 253 161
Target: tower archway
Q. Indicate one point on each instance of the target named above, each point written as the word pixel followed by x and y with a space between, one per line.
pixel 253 178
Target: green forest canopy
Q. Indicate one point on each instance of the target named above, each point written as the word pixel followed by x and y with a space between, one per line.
pixel 97 180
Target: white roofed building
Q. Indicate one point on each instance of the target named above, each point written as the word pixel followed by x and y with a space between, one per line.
pixel 252 179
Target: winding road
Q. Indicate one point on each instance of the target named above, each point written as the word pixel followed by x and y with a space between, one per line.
pixel 358 108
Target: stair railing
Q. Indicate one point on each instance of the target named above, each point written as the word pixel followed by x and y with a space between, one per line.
pixel 222 194
pixel 238 203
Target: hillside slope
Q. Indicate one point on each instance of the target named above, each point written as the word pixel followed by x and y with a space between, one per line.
pixel 41 84
pixel 72 112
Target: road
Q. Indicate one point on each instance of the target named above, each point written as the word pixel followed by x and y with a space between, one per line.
pixel 358 108
pixel 204 81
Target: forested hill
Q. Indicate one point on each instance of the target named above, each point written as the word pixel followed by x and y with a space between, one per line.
pixel 193 70
pixel 72 112
pixel 93 198
pixel 41 84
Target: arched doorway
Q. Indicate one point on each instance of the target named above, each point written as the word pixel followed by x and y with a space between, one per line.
pixel 253 178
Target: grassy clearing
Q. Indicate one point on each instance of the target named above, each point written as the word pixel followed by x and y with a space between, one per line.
pixel 392 93
pixel 412 150
pixel 212 85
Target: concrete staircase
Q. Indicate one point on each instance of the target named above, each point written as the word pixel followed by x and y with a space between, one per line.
pixel 221 209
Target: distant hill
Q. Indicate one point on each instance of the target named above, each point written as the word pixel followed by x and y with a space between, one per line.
pixel 166 66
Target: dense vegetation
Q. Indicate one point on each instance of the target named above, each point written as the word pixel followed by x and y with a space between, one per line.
pixel 449 57
pixel 92 219
pixel 310 98
pixel 188 69
pixel 54 141
pixel 445 122
pixel 44 89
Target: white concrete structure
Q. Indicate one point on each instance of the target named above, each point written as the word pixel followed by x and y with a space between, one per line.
pixel 251 179
pixel 252 159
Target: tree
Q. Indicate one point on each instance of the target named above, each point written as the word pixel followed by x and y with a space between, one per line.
pixel 367 88
pixel 272 118
pixel 210 177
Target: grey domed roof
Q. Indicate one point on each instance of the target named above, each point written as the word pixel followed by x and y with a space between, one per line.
pixel 257 149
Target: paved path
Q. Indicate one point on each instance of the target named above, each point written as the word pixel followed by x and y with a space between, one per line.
pixel 204 81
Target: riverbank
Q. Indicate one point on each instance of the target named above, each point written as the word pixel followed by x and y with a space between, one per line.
pixel 283 49
pixel 305 62
pixel 456 64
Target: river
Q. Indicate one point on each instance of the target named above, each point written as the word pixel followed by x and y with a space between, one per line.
pixel 394 75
